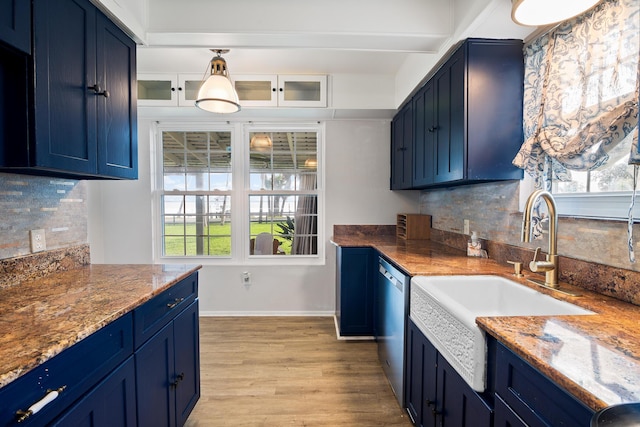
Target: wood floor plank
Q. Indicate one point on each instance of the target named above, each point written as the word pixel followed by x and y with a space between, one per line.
pixel 289 371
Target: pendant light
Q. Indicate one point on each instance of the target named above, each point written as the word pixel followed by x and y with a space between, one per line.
pixel 537 13
pixel 217 93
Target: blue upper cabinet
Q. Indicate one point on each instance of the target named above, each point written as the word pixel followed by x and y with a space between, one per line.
pixel 15 24
pixel 82 101
pixel 467 117
pixel 85 120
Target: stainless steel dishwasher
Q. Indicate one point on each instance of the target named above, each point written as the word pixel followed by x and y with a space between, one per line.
pixel 392 302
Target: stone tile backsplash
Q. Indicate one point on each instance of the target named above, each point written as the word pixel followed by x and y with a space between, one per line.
pixel 492 209
pixel 57 205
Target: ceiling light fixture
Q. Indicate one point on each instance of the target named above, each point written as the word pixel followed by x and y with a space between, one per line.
pixel 260 142
pixel 544 12
pixel 311 162
pixel 217 93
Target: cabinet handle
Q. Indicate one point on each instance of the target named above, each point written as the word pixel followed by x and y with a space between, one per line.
pixel 433 128
pixel 97 90
pixel 281 90
pixel 179 89
pixel 179 378
pixel 273 89
pixel 36 407
pixel 436 412
pixel 174 303
pixel 430 402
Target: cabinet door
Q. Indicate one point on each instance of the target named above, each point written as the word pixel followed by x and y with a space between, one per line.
pixel 450 122
pixel 459 405
pixel 15 24
pixel 111 403
pixel 355 291
pixel 302 91
pixel 188 87
pixel 504 415
pixel 65 69
pixel 187 358
pixel 158 90
pixel 155 376
pixel 256 90
pixel 423 156
pixel 117 135
pixel 402 148
pixel 420 392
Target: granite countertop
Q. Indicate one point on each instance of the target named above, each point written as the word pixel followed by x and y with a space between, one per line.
pixel 594 357
pixel 42 317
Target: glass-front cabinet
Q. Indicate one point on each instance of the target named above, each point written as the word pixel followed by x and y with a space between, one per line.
pixel 281 90
pixel 168 90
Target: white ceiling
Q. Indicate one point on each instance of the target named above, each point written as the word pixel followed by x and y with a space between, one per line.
pixel 307 36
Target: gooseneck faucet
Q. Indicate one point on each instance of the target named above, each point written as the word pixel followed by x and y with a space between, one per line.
pixel 550 266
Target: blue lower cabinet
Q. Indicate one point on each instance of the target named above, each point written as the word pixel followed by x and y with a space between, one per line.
pixel 111 403
pixel 108 379
pixel 168 372
pixel 74 372
pixel 355 281
pixel 531 396
pixel 436 394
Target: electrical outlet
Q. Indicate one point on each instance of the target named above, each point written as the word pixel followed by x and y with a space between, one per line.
pixel 38 242
pixel 466 227
pixel 246 278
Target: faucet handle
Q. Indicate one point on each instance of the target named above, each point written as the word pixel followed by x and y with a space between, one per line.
pixel 536 266
pixel 517 267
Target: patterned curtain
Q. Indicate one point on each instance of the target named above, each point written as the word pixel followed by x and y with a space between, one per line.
pixel 581 96
pixel 581 93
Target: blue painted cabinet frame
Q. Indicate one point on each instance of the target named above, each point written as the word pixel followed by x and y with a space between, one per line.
pixel 436 394
pixel 168 372
pixel 467 119
pixel 15 24
pixel 402 149
pixel 112 379
pixel 355 281
pixel 527 395
pixel 80 107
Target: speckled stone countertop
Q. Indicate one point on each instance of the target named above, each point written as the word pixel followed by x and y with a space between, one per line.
pixel 40 318
pixel 594 357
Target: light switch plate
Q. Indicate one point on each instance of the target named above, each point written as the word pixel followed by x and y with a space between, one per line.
pixel 38 242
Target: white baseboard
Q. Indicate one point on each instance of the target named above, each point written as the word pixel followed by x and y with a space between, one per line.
pixel 266 313
pixel 349 338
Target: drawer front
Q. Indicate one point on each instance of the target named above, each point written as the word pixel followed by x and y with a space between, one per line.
pixel 76 369
pixel 534 397
pixel 153 315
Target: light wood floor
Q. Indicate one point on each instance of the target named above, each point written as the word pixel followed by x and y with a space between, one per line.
pixel 289 371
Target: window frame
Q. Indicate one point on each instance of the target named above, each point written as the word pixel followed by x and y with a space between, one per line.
pixel 239 193
pixel 611 206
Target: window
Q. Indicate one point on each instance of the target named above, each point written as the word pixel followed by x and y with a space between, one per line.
pixel 581 101
pixel 283 196
pixel 196 199
pixel 240 192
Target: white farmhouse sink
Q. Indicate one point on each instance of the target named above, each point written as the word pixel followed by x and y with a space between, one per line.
pixel 445 309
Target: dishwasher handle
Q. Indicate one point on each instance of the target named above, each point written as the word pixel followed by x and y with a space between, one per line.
pixel 395 282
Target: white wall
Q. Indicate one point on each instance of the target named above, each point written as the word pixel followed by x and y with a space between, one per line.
pixel 357 182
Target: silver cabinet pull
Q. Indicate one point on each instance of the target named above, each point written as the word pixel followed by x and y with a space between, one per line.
pixel 175 303
pixel 36 407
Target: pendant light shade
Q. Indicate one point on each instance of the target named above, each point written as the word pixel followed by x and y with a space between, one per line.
pixel 544 12
pixel 217 93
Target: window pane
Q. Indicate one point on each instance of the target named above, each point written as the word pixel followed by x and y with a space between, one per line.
pixel 283 224
pixel 275 158
pixel 197 225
